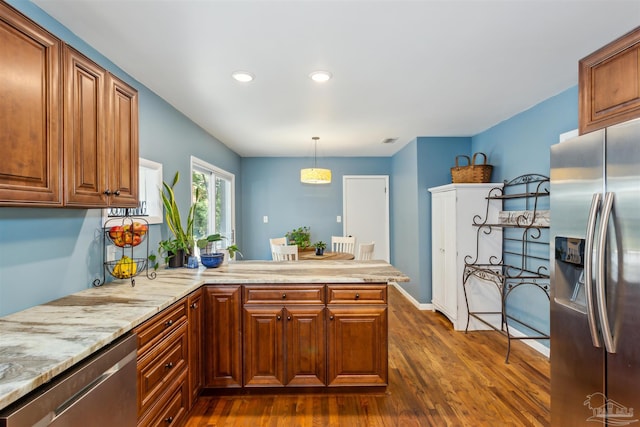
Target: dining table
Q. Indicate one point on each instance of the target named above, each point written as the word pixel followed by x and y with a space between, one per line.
pixel 333 256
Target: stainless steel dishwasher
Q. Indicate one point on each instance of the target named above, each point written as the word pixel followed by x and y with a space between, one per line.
pixel 99 391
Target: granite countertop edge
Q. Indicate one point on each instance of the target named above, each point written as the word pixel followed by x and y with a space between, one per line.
pixel 42 342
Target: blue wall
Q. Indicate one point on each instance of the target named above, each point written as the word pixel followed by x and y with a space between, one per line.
pixel 272 188
pixel 520 146
pixel 422 164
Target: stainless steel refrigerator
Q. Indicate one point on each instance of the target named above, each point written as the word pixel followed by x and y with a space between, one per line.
pixel 595 278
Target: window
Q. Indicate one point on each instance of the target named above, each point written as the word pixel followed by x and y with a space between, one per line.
pixel 214 212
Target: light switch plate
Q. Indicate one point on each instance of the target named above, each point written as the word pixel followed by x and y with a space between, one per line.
pixel 265 219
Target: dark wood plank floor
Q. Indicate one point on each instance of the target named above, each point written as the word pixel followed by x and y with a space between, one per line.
pixel 437 377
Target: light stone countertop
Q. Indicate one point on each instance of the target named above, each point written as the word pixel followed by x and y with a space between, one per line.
pixel 41 342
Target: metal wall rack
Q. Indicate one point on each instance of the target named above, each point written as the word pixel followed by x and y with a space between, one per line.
pixel 524 262
pixel 129 235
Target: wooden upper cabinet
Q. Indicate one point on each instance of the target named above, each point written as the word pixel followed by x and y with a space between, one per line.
pixel 30 113
pixel 100 136
pixel 85 143
pixel 68 128
pixel 609 84
pixel 122 138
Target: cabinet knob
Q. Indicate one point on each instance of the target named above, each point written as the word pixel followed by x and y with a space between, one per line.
pixel 284 296
pixel 288 317
pixel 107 192
pixel 278 317
pixel 194 305
pixel 357 296
pixel 168 420
pixel 117 192
pixel 168 365
pixel 331 317
pixel 168 323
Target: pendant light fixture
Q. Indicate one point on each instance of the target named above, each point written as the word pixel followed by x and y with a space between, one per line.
pixel 315 175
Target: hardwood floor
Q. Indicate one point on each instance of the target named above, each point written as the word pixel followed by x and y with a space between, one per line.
pixel 437 377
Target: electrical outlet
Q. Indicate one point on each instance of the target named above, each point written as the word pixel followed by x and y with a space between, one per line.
pixel 338 218
pixel 265 219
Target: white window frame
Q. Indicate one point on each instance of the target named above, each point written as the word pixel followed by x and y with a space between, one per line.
pixel 201 164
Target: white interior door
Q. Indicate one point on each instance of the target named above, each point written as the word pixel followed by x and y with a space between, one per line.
pixel 366 211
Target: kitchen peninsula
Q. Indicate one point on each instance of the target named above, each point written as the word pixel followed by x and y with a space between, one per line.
pixel 44 341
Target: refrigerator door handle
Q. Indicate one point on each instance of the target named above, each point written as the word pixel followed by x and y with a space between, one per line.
pixel 588 269
pixel 600 286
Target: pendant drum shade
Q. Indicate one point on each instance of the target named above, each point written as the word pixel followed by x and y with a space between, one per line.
pixel 315 175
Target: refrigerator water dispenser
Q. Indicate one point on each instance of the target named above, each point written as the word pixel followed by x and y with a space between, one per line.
pixel 569 260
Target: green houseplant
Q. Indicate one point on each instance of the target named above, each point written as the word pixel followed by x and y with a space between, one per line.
pixel 320 247
pixel 208 243
pixel 182 242
pixel 233 249
pixel 300 236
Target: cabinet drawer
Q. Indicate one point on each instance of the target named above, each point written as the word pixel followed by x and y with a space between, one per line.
pixel 349 294
pixel 163 324
pixel 298 294
pixel 160 366
pixel 171 409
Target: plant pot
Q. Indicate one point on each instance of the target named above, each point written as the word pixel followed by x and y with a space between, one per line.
pixel 212 260
pixel 176 259
pixel 319 251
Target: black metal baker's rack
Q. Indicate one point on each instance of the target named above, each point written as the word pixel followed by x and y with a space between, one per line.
pixel 121 232
pixel 524 261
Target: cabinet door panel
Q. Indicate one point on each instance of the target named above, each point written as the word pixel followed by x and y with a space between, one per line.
pixel 306 346
pixel 223 337
pixel 263 343
pixel 30 113
pixel 357 346
pixel 84 131
pixel 123 137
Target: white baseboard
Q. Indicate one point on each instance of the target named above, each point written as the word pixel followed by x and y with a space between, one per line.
pixel 411 299
pixel 542 349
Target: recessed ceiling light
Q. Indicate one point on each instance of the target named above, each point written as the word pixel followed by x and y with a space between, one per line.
pixel 242 76
pixel 320 76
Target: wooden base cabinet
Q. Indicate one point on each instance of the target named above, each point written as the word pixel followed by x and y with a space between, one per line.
pixel 295 335
pixel 284 336
pixel 162 369
pixel 357 335
pixel 195 318
pixel 223 336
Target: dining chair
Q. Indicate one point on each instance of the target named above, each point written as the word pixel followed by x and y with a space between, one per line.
pixel 365 251
pixel 284 253
pixel 276 241
pixel 343 244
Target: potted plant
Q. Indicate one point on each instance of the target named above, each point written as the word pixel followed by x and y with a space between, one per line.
pixel 300 236
pixel 208 244
pixel 173 252
pixel 182 244
pixel 320 247
pixel 233 249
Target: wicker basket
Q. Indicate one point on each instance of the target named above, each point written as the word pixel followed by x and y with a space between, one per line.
pixel 472 172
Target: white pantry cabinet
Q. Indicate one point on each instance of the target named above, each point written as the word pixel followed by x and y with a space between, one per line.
pixel 454 238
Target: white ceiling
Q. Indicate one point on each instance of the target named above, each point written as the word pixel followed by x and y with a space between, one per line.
pixel 401 68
